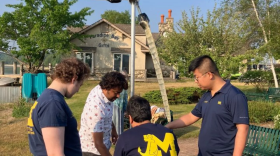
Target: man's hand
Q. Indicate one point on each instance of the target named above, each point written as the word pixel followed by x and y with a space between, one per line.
pixel 98 142
pixel 183 121
pixel 114 136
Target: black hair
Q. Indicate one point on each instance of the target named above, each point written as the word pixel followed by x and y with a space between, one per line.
pixel 139 109
pixel 204 64
pixel 113 80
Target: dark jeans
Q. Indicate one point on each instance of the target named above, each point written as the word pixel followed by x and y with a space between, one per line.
pixel 89 154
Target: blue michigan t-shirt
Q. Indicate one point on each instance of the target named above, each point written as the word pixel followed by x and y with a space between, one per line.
pixel 51 110
pixel 147 139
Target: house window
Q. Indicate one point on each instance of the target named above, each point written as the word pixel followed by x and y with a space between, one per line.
pixel 121 62
pixel 87 58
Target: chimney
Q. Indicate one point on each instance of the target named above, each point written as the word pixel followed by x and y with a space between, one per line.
pixel 169 13
pixel 162 19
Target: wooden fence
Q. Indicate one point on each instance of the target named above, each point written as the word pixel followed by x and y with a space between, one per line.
pixel 9 94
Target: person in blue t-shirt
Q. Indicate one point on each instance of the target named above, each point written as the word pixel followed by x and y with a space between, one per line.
pixel 52 128
pixel 224 111
pixel 145 138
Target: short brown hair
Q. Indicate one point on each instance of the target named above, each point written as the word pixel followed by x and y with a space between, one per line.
pixel 71 68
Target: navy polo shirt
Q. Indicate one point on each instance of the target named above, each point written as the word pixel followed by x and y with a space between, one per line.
pixel 220 114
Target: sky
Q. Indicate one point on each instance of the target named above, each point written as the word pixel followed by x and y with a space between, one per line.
pixel 153 8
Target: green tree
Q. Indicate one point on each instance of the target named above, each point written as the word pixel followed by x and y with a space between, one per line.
pixel 219 35
pixel 39 27
pixel 263 20
pixel 116 17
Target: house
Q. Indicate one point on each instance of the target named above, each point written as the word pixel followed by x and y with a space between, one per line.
pixel 108 48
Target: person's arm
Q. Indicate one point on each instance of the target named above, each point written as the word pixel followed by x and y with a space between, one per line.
pixel 240 139
pixel 54 140
pixel 183 121
pixel 114 134
pixel 100 146
pixel 240 113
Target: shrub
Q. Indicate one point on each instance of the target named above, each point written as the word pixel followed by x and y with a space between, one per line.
pixel 262 111
pixel 277 122
pixel 21 109
pixel 183 95
pixel 258 78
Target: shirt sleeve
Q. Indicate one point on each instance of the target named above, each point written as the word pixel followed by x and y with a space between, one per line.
pixel 52 114
pixel 119 149
pixel 239 109
pixel 197 111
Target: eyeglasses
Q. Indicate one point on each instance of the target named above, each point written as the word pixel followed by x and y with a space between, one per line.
pixel 196 78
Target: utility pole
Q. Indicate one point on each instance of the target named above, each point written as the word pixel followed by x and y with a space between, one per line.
pixel 132 73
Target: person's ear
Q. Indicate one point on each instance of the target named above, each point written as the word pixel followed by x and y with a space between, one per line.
pixel 130 119
pixel 73 80
pixel 211 75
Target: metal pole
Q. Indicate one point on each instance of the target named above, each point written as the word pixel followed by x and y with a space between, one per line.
pixel 2 67
pixel 132 2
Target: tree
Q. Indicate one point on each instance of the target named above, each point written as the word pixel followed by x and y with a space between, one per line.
pixel 263 20
pixel 220 35
pixel 116 17
pixel 39 27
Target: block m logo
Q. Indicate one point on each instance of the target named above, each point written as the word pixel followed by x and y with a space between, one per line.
pixel 154 143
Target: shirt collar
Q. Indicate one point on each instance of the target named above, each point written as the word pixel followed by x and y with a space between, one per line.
pixel 105 98
pixel 102 95
pixel 225 87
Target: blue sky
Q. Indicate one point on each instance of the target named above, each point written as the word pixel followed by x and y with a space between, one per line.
pixel 153 8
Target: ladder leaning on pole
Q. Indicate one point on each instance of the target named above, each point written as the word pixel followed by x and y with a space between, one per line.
pixel 144 22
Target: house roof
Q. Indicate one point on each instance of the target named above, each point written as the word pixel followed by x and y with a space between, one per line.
pixel 155 36
pixel 127 28
pixel 86 28
pixel 76 29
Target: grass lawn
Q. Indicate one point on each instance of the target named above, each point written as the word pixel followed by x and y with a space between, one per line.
pixel 13 132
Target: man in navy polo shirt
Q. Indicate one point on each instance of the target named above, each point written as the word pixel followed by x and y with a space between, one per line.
pixel 224 111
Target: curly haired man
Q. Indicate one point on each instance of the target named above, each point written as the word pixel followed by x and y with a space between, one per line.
pixel 96 121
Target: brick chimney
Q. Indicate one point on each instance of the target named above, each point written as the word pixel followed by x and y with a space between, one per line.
pixel 169 13
pixel 168 25
pixel 162 19
pixel 169 20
